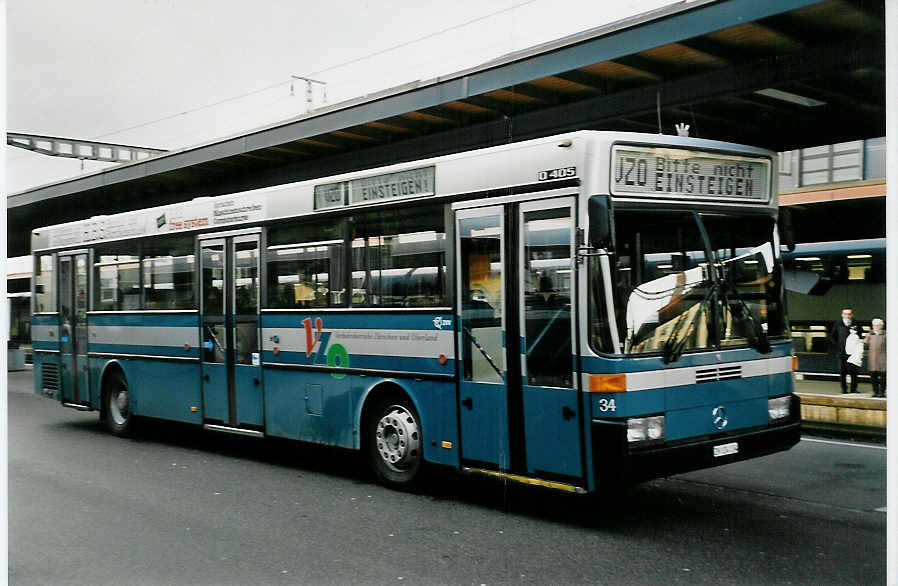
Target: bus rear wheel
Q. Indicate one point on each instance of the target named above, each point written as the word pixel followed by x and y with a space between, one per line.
pixel 393 434
pixel 119 419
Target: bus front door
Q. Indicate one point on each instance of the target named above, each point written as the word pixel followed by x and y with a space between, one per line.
pixel 520 410
pixel 231 367
pixel 73 300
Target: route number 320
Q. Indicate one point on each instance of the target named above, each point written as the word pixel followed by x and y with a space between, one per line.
pixel 607 405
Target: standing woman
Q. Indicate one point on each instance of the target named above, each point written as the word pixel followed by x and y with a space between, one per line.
pixel 876 357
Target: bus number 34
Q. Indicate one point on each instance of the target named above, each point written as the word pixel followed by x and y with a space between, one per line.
pixel 607 405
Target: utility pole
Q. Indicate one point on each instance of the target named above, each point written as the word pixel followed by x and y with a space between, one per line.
pixel 309 81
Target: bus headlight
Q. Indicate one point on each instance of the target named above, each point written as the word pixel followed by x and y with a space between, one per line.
pixel 645 429
pixel 779 408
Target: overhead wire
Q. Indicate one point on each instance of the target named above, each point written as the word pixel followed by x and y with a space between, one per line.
pixel 318 72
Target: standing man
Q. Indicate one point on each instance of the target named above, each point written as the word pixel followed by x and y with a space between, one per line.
pixel 838 336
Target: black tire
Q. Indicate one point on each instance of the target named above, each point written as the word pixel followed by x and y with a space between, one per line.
pixel 117 406
pixel 394 444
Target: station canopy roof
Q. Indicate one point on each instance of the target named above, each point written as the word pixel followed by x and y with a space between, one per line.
pixel 779 74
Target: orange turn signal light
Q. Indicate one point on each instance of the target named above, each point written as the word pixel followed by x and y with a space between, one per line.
pixel 607 383
pixel 795 364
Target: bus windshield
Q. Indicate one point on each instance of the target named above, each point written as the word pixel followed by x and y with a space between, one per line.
pixel 664 289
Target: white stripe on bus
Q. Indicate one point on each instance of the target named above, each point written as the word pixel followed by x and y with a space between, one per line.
pixel 144 335
pixel 675 377
pixel 375 342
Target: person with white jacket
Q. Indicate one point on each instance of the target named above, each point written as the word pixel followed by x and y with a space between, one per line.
pixel 838 338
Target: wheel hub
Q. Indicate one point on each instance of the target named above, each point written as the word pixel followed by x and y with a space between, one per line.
pixel 398 438
pixel 118 406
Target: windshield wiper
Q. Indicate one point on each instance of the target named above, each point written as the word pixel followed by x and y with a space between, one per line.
pixel 673 347
pixel 755 335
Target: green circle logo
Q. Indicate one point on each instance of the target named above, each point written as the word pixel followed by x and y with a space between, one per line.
pixel 337 357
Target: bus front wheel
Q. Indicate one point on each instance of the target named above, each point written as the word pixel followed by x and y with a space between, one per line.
pixel 119 419
pixel 393 434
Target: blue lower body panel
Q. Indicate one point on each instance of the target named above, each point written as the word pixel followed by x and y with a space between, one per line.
pixel 248 394
pixel 165 390
pixel 310 406
pixel 215 392
pixel 484 423
pixel 552 429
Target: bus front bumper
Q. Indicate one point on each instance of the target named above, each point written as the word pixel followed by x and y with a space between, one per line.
pixel 616 462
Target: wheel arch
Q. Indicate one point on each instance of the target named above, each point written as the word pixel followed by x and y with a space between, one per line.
pixel 373 395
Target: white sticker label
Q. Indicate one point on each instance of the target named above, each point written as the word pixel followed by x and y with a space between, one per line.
pixel 726 449
pixel 255 359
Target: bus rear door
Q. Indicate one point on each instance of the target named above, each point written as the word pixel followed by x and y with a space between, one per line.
pixel 231 366
pixel 519 407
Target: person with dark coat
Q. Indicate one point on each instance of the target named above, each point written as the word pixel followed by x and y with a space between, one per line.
pixel 876 357
pixel 838 336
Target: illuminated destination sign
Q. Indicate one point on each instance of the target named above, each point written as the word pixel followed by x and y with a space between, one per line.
pixel 329 195
pixel 398 185
pixel 686 174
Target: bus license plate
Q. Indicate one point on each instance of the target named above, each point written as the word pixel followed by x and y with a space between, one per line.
pixel 726 449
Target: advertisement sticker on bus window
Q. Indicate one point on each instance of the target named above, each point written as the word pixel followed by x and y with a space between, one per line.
pixel 689 174
pixel 255 359
pixel 237 210
pixel 185 217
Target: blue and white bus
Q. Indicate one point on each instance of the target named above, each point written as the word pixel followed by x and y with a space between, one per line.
pixel 572 312
pixel 821 278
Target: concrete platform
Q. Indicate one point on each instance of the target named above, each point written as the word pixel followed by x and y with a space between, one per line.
pixel 824 408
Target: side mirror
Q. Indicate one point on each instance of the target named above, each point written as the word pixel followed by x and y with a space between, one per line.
pixel 600 221
pixel 787 232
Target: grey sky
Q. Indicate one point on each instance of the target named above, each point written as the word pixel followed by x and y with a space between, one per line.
pixel 168 73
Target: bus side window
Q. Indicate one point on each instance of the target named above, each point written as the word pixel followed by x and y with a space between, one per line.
pixel 168 273
pixel 116 277
pixel 399 258
pixel 305 264
pixel 44 284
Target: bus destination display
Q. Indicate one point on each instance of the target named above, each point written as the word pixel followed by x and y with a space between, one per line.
pixel 400 184
pixel 688 174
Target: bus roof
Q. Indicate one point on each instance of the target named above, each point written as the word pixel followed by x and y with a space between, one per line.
pixel 480 171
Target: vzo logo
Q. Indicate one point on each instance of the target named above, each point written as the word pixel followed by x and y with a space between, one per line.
pixel 336 355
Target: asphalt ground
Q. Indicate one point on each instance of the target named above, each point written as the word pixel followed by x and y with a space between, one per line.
pixel 178 505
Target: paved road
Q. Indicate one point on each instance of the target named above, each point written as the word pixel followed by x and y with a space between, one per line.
pixel 179 506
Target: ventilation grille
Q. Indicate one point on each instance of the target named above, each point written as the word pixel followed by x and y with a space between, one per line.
pixel 50 376
pixel 713 374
